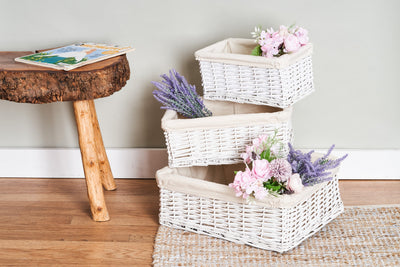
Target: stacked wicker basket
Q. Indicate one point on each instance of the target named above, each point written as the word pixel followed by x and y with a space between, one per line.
pixel 248 96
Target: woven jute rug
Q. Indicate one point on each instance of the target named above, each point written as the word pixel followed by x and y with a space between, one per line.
pixel 361 236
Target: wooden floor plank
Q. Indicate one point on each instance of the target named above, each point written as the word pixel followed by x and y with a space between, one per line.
pixel 367 192
pixel 34 252
pixel 46 222
pixel 57 232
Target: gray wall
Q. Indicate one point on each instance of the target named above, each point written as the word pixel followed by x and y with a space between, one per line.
pixel 356 64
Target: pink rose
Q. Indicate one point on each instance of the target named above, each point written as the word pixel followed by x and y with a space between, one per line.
pixel 295 184
pixel 292 44
pixel 302 35
pixel 261 169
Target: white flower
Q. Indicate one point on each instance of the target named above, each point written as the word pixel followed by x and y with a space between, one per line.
pixel 257 32
pixel 295 184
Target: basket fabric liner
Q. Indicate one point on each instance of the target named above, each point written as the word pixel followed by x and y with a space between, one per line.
pixel 241 114
pixel 211 182
pixel 238 51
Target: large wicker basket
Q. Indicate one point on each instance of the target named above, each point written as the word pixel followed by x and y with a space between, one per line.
pixel 221 138
pixel 197 199
pixel 229 72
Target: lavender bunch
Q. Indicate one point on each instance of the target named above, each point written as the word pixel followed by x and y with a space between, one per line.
pixel 175 93
pixel 312 173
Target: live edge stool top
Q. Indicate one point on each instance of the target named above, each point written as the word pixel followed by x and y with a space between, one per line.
pixel 26 83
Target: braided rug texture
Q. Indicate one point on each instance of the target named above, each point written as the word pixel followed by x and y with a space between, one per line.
pixel 361 236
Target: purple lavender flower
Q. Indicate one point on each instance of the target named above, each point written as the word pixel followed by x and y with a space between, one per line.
pixel 175 93
pixel 312 172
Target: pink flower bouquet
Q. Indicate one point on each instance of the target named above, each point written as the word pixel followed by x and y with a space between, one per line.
pixel 268 171
pixel 273 43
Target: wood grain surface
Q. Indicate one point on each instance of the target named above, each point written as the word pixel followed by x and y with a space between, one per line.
pixel 107 177
pixel 46 222
pixel 25 83
pixel 89 153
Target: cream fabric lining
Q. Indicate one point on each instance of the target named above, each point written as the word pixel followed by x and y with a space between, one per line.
pixel 212 182
pixel 239 115
pixel 238 51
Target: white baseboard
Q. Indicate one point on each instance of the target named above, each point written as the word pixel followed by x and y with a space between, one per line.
pixel 368 163
pixel 66 163
pixel 144 162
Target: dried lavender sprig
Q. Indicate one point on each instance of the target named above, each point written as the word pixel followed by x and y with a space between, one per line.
pixel 174 92
pixel 169 94
pixel 312 172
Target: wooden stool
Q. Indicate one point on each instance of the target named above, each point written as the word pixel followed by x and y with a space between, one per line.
pixel 25 83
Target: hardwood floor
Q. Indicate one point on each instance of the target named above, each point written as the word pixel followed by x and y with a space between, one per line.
pixel 45 222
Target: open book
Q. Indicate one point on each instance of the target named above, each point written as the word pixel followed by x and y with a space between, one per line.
pixel 74 56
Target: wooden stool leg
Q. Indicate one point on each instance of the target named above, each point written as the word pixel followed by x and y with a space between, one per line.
pixel 86 133
pixel 107 177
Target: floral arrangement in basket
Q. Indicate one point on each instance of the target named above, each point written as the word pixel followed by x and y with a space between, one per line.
pixel 273 43
pixel 268 172
pixel 175 93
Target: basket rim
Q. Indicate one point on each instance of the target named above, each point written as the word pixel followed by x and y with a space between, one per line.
pixel 170 120
pixel 169 178
pixel 217 52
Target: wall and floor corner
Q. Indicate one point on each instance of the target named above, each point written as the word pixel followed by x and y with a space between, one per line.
pixel 355 104
pixel 143 163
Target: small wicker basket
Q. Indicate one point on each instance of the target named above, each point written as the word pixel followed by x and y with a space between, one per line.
pixel 221 138
pixel 197 199
pixel 229 72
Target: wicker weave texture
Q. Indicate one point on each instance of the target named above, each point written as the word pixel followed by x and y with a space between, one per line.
pixel 277 229
pixel 254 85
pixel 203 147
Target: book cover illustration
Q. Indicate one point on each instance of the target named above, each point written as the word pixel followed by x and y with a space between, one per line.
pixel 73 56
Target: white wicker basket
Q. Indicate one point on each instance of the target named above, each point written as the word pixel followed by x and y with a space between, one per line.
pixel 197 199
pixel 229 72
pixel 221 138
